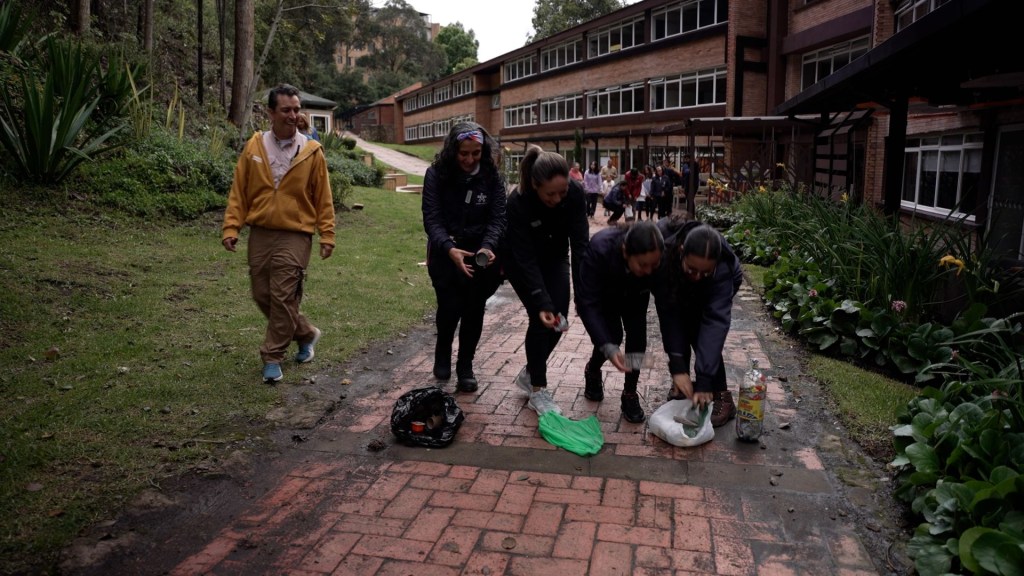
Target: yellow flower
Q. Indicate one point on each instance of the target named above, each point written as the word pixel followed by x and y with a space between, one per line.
pixel 844 198
pixel 762 189
pixel 950 260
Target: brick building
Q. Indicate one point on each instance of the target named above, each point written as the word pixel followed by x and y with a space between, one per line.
pixel 911 105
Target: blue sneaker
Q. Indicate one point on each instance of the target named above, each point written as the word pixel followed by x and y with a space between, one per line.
pixel 306 352
pixel 272 373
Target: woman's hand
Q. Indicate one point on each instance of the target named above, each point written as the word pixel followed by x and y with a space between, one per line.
pixel 619 361
pixel 490 255
pixel 548 319
pixel 459 257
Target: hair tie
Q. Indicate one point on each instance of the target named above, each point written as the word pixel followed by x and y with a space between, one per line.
pixel 474 135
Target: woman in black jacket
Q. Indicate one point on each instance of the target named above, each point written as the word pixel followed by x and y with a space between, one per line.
pixel 694 300
pixel 464 217
pixel 614 292
pixel 547 220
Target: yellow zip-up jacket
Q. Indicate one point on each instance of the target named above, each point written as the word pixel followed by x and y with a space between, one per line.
pixel 302 202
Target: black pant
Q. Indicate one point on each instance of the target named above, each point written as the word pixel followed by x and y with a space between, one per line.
pixel 591 204
pixel 692 328
pixel 631 315
pixel 541 340
pixel 665 206
pixel 460 303
pixel 617 212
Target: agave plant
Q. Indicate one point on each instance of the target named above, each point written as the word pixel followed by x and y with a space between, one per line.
pixel 47 134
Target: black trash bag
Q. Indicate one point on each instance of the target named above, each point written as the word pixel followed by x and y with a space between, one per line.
pixel 435 409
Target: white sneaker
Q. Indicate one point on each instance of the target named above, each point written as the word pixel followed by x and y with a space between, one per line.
pixel 541 402
pixel 524 382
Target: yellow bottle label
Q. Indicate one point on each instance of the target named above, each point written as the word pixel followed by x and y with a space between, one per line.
pixel 751 403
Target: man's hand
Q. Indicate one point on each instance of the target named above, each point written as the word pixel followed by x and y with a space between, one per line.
pixel 230 244
pixel 459 257
pixel 326 250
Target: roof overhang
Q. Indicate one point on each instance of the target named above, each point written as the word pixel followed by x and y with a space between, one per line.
pixel 963 53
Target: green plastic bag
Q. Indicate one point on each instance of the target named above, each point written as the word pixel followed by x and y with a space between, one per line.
pixel 581 437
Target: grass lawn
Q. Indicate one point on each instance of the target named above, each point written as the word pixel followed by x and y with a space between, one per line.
pixel 131 350
pixel 422 151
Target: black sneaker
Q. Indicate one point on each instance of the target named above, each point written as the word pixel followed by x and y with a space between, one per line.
pixel 631 409
pixel 592 388
pixel 465 380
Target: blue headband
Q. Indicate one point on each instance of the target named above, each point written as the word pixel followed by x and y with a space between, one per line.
pixel 474 135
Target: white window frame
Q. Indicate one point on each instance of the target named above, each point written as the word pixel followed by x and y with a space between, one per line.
pixel 562 55
pixel 442 93
pixel 424 130
pixel 828 60
pixel 410 133
pixel 929 154
pixel 910 11
pixel 462 86
pixel 703 82
pixel 561 109
pixel 610 101
pixel 612 38
pixel 687 16
pixel 520 68
pixel 409 104
pixel 520 115
pixel 424 99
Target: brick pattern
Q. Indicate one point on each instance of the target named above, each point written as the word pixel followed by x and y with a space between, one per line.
pixel 343 515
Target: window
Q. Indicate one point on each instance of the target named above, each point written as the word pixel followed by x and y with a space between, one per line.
pixel 424 131
pixel 626 99
pixel 692 89
pixel 561 109
pixel 562 55
pixel 619 36
pixel 495 101
pixel 410 133
pixel 443 93
pixel 441 128
pixel 819 64
pixel 521 115
pixel 519 69
pixel 425 99
pixel 409 104
pixel 686 17
pixel 910 11
pixel 942 173
pixel 462 86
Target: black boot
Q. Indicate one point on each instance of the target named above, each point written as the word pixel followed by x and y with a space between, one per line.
pixel 442 363
pixel 465 379
pixel 593 389
pixel 631 409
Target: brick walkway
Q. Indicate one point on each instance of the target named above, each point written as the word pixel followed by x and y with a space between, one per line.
pixel 501 500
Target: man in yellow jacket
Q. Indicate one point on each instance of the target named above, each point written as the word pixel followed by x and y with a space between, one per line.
pixel 281 190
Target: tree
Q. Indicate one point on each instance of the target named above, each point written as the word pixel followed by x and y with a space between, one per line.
pixel 553 16
pixel 82 17
pixel 459 45
pixel 242 72
pixel 401 41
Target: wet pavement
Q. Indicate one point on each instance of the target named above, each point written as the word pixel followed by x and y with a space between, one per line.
pixel 347 499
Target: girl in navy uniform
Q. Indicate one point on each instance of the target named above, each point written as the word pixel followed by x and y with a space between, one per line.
pixel 614 293
pixel 547 221
pixel 464 217
pixel 694 300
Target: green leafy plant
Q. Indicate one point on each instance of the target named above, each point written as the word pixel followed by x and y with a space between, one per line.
pixel 960 451
pixel 48 133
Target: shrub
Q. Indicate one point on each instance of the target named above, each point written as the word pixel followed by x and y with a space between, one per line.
pixel 160 176
pixel 358 173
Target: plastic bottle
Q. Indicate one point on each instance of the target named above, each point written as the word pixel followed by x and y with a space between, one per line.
pixel 751 404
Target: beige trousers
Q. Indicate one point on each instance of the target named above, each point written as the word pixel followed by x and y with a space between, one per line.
pixel 277 269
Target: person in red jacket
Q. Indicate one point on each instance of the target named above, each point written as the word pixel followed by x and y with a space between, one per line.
pixel 282 192
pixel 632 182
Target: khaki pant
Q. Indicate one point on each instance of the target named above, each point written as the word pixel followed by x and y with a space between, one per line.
pixel 277 268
